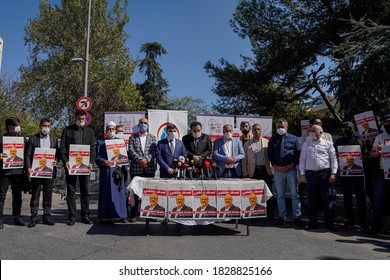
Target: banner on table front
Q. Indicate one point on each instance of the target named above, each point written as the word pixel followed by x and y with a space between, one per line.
pixel 213 124
pixel 116 151
pixel 264 121
pixel 154 200
pixel 159 119
pixel 366 124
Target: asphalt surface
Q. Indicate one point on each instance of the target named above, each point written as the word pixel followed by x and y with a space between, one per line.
pixel 220 241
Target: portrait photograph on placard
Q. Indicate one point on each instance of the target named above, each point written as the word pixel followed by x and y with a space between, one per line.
pixel 43 163
pixel 205 200
pixel 154 201
pixel 79 157
pixel 350 158
pixel 13 147
pixel 116 151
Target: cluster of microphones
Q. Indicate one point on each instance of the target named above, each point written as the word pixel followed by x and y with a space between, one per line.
pixel 186 169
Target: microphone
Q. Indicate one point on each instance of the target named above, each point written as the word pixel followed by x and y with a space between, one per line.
pixel 175 165
pixel 215 168
pixel 207 166
pixel 185 169
pixel 181 166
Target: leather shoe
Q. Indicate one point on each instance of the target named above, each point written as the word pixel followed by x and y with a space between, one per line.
pixel 298 222
pixel 71 222
pixel 86 221
pixel 1 224
pixel 280 221
pixel 311 226
pixel 32 224
pixel 19 222
pixel 48 222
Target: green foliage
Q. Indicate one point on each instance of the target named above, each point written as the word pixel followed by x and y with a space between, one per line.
pixel 52 85
pixel 154 89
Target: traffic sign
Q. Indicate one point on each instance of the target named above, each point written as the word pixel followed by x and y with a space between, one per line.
pixel 84 103
pixel 88 119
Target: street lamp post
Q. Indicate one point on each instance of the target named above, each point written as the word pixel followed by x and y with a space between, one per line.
pixel 85 59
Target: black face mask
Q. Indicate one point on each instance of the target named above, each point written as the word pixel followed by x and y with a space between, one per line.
pixel 348 133
pixel 387 128
pixel 245 132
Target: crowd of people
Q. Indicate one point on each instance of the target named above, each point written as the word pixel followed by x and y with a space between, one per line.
pixel 281 161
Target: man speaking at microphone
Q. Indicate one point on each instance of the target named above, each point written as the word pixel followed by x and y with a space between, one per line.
pixel 198 144
pixel 168 151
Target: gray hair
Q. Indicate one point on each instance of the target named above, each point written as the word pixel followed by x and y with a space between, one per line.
pixel 281 120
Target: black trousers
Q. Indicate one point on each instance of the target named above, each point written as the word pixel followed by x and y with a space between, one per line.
pixel 46 186
pixel 262 174
pixel 14 181
pixel 132 212
pixel 349 185
pixel 85 198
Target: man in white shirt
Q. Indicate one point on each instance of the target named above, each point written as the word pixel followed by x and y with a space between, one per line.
pixel 318 167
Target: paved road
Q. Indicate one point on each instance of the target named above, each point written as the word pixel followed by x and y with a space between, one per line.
pixel 173 241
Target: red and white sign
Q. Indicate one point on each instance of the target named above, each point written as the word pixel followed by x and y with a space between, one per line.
pixel 84 103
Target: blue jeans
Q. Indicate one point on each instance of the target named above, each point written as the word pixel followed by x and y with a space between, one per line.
pixel 287 182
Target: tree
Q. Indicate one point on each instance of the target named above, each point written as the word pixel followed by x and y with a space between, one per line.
pixel 154 89
pixel 287 38
pixel 52 84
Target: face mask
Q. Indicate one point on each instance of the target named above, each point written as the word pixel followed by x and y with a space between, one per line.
pixel 281 131
pixel 17 129
pixel 119 135
pixel 45 130
pixel 196 134
pixel 79 123
pixel 143 127
pixel 111 134
pixel 313 136
pixel 387 128
pixel 172 135
pixel 348 133
pixel 245 132
pixel 228 135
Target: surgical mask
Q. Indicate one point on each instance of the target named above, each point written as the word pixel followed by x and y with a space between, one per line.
pixel 45 130
pixel 79 123
pixel 119 135
pixel 313 136
pixel 281 131
pixel 172 135
pixel 196 134
pixel 17 129
pixel 143 127
pixel 228 135
pixel 111 134
pixel 386 126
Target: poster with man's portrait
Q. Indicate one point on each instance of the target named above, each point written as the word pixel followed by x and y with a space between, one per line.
pixel 229 199
pixel 79 159
pixel 13 147
pixel 386 161
pixel 43 163
pixel 205 200
pixel 116 151
pixel 253 200
pixel 154 200
pixel 180 200
pixel 366 124
pixel 350 161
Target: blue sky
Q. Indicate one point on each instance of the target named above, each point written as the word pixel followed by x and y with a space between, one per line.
pixel 192 31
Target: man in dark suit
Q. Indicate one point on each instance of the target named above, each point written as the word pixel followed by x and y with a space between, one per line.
pixel 205 209
pixel 11 177
pixel 142 156
pixel 13 160
pixel 43 139
pixel 79 134
pixel 181 207
pixel 254 209
pixel 153 206
pixel 168 150
pixel 229 206
pixel 198 144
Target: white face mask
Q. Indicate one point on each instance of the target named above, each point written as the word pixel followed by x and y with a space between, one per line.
pixel 281 131
pixel 17 129
pixel 79 123
pixel 45 130
pixel 119 135
pixel 313 136
pixel 196 134
pixel 172 135
pixel 111 134
pixel 228 135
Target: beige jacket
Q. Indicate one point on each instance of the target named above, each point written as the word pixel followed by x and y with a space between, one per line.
pixel 249 162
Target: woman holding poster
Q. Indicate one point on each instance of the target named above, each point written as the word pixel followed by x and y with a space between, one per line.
pixel 112 190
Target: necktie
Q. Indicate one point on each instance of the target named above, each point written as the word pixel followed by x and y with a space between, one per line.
pixel 172 146
pixel 282 148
